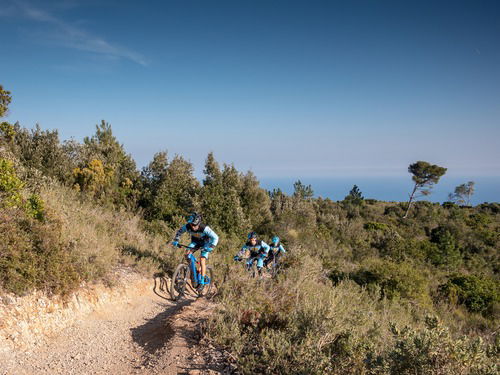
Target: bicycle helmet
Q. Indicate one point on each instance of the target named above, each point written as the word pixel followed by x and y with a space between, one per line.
pixel 252 235
pixel 194 219
pixel 275 239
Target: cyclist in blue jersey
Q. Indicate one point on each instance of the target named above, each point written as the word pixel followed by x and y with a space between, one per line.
pixel 202 237
pixel 258 251
pixel 276 251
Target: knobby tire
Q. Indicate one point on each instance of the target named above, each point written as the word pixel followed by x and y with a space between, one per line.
pixel 179 281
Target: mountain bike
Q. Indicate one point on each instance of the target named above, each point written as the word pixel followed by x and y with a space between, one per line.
pixel 275 266
pixel 251 268
pixel 187 275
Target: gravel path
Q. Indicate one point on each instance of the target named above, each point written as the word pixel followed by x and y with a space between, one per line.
pixel 150 335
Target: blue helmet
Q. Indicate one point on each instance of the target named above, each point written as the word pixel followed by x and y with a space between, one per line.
pixel 275 239
pixel 252 235
pixel 194 219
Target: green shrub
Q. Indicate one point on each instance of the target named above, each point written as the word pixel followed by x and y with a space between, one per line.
pixel 479 220
pixel 10 185
pixel 296 325
pixel 32 255
pixel 488 237
pixel 478 294
pixel 41 150
pixel 36 207
pixel 7 131
pixel 393 211
pixel 449 205
pixel 54 240
pixel 394 280
pixel 434 351
pixel 300 325
pixel 443 249
pixel 375 226
pixel 490 208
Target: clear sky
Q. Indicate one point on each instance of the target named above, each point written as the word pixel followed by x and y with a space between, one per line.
pixel 285 88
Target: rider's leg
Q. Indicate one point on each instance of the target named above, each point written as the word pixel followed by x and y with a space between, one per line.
pixel 250 261
pixel 203 262
pixel 269 259
pixel 260 260
pixel 260 263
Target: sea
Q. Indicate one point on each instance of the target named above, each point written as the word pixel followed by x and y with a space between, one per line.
pixel 392 188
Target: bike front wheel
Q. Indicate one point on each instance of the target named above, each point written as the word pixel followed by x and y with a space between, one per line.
pixel 207 289
pixel 179 281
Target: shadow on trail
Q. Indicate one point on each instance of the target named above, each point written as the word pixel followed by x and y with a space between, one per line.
pixel 213 360
pixel 160 287
pixel 155 334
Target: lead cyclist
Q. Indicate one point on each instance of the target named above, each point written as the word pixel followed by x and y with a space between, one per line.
pixel 202 237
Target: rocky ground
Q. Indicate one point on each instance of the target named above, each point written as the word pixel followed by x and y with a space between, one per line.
pixel 148 334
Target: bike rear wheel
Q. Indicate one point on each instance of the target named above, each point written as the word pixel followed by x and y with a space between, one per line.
pixel 179 281
pixel 275 269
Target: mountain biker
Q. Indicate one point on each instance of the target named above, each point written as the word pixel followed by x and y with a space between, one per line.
pixel 202 237
pixel 276 252
pixel 258 251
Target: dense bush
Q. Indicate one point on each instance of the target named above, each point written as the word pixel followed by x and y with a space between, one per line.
pixel 301 325
pixel 53 240
pixel 478 294
pixel 433 350
pixel 393 280
pixel 445 250
pixel 375 226
pixel 41 150
pixel 33 255
pixel 10 185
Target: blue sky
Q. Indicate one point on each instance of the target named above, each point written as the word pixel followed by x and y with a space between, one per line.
pixel 284 88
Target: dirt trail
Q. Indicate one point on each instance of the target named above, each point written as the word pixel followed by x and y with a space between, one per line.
pixel 149 335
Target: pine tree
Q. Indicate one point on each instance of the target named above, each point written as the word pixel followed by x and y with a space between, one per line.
pixel 425 176
pixel 7 132
pixel 104 146
pixel 302 191
pixel 278 202
pixel 232 219
pixel 42 150
pixel 212 193
pixel 212 171
pixel 170 189
pixel 255 201
pixel 355 196
pixel 463 193
pixel 5 99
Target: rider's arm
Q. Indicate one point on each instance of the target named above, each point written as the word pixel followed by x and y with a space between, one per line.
pixel 179 233
pixel 242 251
pixel 264 248
pixel 213 237
pixel 282 249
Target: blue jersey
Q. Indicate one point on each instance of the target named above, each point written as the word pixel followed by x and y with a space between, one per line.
pixel 203 236
pixel 277 249
pixel 260 248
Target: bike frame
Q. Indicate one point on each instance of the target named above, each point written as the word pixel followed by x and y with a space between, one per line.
pixel 192 265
